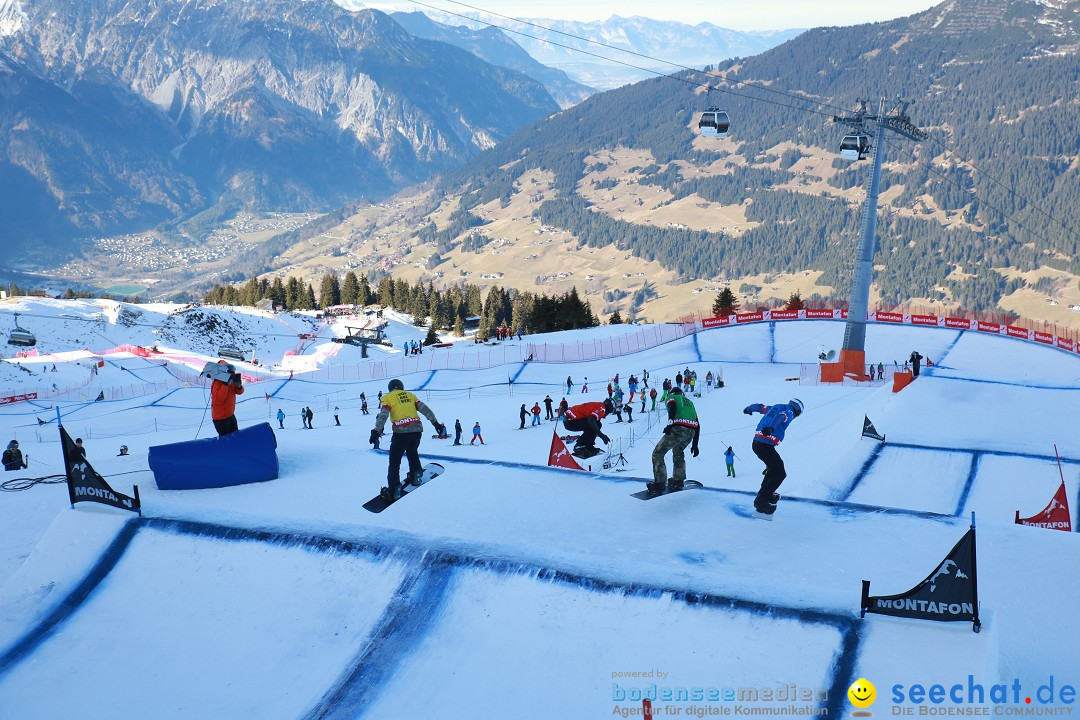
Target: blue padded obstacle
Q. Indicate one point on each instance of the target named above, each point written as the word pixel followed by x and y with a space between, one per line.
pixel 242 457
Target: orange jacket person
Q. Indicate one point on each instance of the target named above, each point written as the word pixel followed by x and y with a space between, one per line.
pixel 223 402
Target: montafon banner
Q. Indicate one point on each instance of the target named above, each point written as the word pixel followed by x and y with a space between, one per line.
pixel 948 594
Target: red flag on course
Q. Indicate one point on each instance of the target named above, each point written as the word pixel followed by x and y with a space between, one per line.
pixel 559 455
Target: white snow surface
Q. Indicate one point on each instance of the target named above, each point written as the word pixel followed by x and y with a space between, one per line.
pixel 508 589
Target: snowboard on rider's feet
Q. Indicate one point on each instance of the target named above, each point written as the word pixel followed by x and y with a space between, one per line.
pixel 586 452
pixel 380 502
pixel 688 485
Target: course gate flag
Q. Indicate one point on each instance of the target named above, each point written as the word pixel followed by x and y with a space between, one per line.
pixel 84 483
pixel 868 430
pixel 1056 516
pixel 559 455
pixel 949 594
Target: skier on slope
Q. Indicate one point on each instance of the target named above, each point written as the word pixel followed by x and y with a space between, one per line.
pixel 403 408
pixel 769 434
pixel 585 418
pixel 683 429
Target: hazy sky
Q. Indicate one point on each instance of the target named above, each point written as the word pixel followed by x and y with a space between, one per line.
pixel 734 14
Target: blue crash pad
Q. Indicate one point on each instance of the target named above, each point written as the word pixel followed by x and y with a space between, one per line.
pixel 242 457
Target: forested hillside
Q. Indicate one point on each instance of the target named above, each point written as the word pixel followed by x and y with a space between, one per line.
pixel 994 82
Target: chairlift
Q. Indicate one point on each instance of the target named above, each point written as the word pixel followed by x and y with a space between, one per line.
pixel 231 352
pixel 714 123
pixel 855 147
pixel 21 336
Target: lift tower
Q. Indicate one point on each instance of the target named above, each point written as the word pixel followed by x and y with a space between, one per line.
pixel 853 354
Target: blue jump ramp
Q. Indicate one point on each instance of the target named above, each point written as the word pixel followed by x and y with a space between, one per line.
pixel 245 456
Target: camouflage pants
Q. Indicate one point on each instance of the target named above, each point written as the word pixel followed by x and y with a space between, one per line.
pixel 676 441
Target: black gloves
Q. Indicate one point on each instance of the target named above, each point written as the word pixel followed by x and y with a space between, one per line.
pixel 605 438
pixel 667 429
pixel 747 412
pixel 374 437
pixel 440 429
pixel 766 430
pixel 694 450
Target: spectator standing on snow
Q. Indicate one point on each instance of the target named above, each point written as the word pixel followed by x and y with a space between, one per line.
pixel 457 432
pixel 223 401
pixel 769 434
pixel 337 422
pixel 569 384
pixel 585 386
pixel 536 414
pixel 916 362
pixel 310 415
pixel 652 396
pixel 280 419
pixel 13 457
pixel 524 414
pixel 729 458
pixel 476 434
pixel 547 408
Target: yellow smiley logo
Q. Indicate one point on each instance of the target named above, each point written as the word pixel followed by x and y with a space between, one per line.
pixel 862 693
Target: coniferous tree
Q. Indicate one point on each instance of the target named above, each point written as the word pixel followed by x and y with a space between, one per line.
pixel 795 302
pixel 364 294
pixel 330 291
pixel 615 319
pixel 350 289
pixel 386 292
pixel 292 293
pixel 725 303
pixel 432 337
pixel 277 292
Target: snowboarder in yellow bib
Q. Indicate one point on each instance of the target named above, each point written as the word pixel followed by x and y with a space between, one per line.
pixel 683 430
pixel 403 410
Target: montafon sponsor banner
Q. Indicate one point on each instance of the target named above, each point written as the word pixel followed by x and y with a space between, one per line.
pixel 890 317
pixel 959 323
pixel 988 327
pixel 948 594
pixel 1017 332
pixel 1065 344
pixel 715 322
pixel 925 320
pixel 84 484
pixel 749 317
pixel 820 314
pixel 1055 516
pixel 785 315
pixel 1044 338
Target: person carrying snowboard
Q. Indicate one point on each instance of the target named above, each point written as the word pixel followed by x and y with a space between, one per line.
pixel 223 401
pixel 682 430
pixel 769 434
pixel 403 409
pixel 585 418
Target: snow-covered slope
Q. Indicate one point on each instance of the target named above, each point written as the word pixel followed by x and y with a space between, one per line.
pixel 513 590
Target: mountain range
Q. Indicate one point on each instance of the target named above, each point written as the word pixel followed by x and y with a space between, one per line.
pixel 119 116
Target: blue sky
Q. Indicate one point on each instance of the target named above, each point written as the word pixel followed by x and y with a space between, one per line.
pixel 734 14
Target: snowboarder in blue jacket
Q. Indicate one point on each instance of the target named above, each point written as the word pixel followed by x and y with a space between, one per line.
pixel 769 434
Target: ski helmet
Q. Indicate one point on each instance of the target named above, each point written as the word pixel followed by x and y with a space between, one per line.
pixel 395 384
pixel 609 406
pixel 796 405
pixel 675 391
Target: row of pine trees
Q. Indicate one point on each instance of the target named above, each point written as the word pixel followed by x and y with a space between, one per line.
pixel 445 309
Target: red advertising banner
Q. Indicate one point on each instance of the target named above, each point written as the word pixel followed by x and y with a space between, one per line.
pixel 749 317
pixel 890 317
pixel 925 320
pixel 961 323
pixel 18 398
pixel 988 327
pixel 716 321
pixel 785 314
pixel 559 455
pixel 1056 516
pixel 843 313
pixel 819 314
pixel 1017 332
pixel 1065 344
pixel 1045 338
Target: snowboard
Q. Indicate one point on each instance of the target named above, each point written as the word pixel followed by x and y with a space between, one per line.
pixel 749 512
pixel 586 452
pixel 687 485
pixel 378 503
